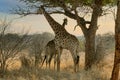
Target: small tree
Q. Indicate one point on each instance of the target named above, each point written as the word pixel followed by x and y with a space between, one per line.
pixel 10 45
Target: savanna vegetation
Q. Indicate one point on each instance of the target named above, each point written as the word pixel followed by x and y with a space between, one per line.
pixel 27 53
pixel 21 54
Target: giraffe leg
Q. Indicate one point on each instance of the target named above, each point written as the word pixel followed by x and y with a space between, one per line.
pixel 58 59
pixel 58 62
pixel 46 63
pixel 75 60
pixel 55 61
pixel 77 63
pixel 49 64
pixel 50 59
pixel 54 64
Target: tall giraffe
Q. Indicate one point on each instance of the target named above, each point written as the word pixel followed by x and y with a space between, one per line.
pixel 63 40
pixel 50 50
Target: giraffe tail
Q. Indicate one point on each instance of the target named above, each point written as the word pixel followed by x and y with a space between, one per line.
pixel 43 61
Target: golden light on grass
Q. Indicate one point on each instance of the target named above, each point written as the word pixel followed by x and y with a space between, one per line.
pixel 100 72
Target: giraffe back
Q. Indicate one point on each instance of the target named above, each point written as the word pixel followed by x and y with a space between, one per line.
pixel 67 41
pixel 50 48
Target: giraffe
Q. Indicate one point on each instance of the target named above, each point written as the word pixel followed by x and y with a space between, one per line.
pixel 63 40
pixel 50 50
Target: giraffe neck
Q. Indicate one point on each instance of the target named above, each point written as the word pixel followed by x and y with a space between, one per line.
pixel 54 25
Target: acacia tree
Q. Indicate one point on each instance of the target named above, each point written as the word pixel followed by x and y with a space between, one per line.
pixel 115 72
pixel 72 8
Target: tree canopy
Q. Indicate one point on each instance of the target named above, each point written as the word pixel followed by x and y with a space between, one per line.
pixel 61 6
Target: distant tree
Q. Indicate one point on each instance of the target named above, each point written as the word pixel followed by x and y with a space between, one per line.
pixel 10 45
pixel 37 45
pixel 100 49
pixel 104 46
pixel 109 42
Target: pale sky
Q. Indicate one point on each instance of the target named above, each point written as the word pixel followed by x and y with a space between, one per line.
pixel 38 23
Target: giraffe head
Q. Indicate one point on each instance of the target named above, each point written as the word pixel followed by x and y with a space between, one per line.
pixel 41 10
pixel 65 21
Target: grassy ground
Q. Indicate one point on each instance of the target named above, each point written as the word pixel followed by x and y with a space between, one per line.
pixel 100 72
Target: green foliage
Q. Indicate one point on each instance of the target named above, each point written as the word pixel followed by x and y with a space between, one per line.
pixel 87 2
pixel 104 2
pixel 109 2
pixel 56 3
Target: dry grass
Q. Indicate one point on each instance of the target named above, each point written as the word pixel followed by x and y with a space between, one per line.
pixel 100 72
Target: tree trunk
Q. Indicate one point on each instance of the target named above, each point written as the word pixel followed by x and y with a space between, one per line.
pixel 115 72
pixel 89 50
pixel 89 32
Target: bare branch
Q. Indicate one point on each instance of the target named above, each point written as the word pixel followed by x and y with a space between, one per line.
pixel 56 12
pixel 23 12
